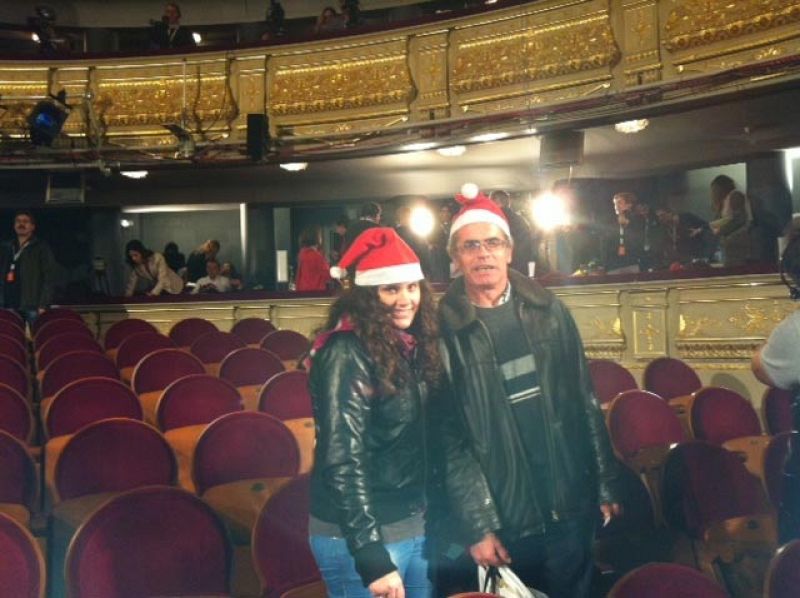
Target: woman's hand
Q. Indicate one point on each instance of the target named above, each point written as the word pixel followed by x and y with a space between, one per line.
pixel 388 586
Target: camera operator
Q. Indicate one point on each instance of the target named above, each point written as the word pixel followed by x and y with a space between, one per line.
pixel 777 363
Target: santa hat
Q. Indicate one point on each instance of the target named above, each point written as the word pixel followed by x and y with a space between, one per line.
pixel 476 207
pixel 380 256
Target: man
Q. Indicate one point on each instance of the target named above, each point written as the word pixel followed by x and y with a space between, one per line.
pixel 368 216
pixel 214 282
pixel 520 388
pixel 27 265
pixel 196 264
pixel 734 218
pixel 440 259
pixel 688 236
pixel 168 33
pixel 626 246
pixel 776 364
pixel 520 232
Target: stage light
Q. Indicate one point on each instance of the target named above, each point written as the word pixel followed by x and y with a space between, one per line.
pixel 453 151
pixel 47 118
pixel 549 211
pixel 134 174
pixel 294 166
pixel 421 221
pixel 125 223
pixel 197 37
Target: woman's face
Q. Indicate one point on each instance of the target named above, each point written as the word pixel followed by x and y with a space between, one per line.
pixel 403 300
pixel 135 256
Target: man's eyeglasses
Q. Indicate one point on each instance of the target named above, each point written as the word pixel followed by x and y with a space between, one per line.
pixel 491 245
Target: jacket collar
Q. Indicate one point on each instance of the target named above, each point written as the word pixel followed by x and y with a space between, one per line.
pixel 457 312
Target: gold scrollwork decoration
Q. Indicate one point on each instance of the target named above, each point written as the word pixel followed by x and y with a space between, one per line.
pixel 607 328
pixel 709 350
pixel 340 86
pixel 14 115
pixel 533 54
pixel 695 23
pixel 759 320
pixel 692 327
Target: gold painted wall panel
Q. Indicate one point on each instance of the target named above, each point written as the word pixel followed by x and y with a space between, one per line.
pixel 17 82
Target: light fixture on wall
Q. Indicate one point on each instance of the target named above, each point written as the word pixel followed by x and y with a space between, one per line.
pixel 418 147
pixel 488 137
pixel 197 37
pixel 125 223
pixel 294 166
pixel 632 126
pixel 452 151
pixel 134 174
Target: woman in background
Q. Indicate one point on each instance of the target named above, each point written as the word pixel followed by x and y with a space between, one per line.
pixel 313 271
pixel 149 272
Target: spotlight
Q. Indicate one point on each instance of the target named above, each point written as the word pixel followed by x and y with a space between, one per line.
pixel 47 118
pixel 134 174
pixel 294 166
pixel 197 38
pixel 421 221
pixel 125 223
pixel 549 212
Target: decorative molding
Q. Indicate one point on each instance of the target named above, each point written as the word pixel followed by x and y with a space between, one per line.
pixel 717 350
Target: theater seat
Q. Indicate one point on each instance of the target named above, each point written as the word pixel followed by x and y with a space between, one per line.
pixel 22 568
pixel 52 314
pixel 121 330
pixel 248 370
pixel 158 370
pixel 252 330
pixel 783 576
pixel 13 348
pixel 134 348
pixel 12 317
pixel 673 380
pixel 285 396
pixel 18 481
pixel 213 347
pixel 59 327
pixel 666 580
pixel 288 345
pixel 15 414
pixel 62 344
pixel 186 331
pixel 609 379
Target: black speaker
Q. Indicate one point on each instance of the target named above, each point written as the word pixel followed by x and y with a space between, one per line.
pixel 561 148
pixel 257 136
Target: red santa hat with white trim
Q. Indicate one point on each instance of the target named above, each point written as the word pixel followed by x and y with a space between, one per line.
pixel 380 256
pixel 476 207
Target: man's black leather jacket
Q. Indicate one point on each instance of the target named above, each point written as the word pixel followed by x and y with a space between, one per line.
pixel 581 461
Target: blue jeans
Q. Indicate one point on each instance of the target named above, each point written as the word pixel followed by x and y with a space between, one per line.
pixel 339 571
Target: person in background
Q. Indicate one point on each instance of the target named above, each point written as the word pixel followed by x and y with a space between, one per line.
pixel 402 219
pixel 27 266
pixel 369 216
pixel 342 224
pixel 214 281
pixel 520 388
pixel 229 270
pixel 149 272
pixel 175 259
pixel 196 264
pixel 520 232
pixel 626 247
pixel 168 32
pixel 440 259
pixel 776 364
pixel 734 218
pixel 313 270
pixel 276 19
pixel 351 11
pixel 370 371
pixel 328 21
pixel 687 236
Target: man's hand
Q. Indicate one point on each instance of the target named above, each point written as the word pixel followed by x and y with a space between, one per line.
pixel 610 511
pixel 388 586
pixel 489 552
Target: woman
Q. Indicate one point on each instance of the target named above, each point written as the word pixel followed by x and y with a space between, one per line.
pixel 734 219
pixel 313 271
pixel 149 270
pixel 370 372
pixel 329 20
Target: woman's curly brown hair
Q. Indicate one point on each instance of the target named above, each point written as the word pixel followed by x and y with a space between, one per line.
pixel 373 325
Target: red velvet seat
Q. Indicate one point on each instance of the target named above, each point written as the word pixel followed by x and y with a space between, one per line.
pixel 248 369
pixel 719 414
pixel 18 481
pixel 666 580
pixel 281 552
pixel 609 379
pixel 774 460
pixel 289 345
pixel 12 317
pixel 89 400
pixel 52 314
pixel 15 414
pixel 196 399
pixel 638 420
pixel 13 348
pixel 669 378
pixel 73 366
pixel 286 397
pixel 213 347
pixel 22 568
pixel 123 329
pixel 62 344
pixel 783 576
pixel 57 327
pixel 185 332
pixel 161 368
pixel 114 455
pixel 252 330
pixel 12 330
pixel 14 375
pixel 154 541
pixel 777 409
pixel 244 445
pixel 134 348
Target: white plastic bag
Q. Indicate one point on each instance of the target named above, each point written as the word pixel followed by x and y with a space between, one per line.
pixel 502 581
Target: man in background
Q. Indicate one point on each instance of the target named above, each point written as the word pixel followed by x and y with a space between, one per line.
pixel 27 265
pixel 168 32
pixel 196 264
pixel 369 215
pixel 520 232
pixel 625 249
pixel 214 281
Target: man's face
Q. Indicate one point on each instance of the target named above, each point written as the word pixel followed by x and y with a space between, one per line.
pixel 212 269
pixel 171 14
pixel 23 225
pixel 621 205
pixel 482 254
pixel 664 217
pixel 445 215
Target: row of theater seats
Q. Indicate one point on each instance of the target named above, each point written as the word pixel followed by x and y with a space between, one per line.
pixel 709 481
pixel 212 413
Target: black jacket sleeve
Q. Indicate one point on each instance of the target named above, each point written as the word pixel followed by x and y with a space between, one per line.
pixel 343 395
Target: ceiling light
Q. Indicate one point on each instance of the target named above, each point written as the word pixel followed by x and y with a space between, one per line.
pixel 134 174
pixel 197 37
pixel 418 147
pixel 632 126
pixel 294 166
pixel 452 151
pixel 487 137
